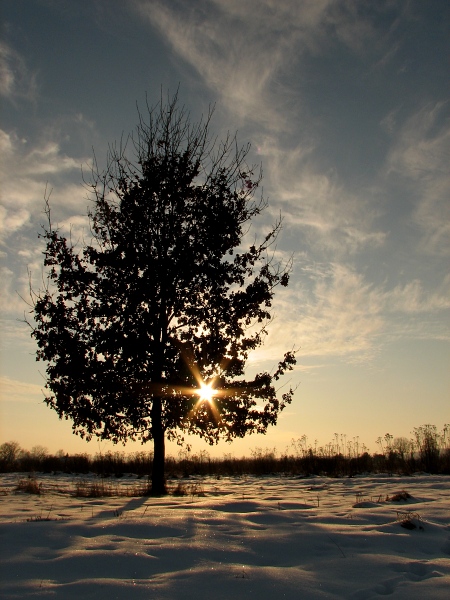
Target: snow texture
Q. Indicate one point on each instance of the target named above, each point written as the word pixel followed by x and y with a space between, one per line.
pixel 266 537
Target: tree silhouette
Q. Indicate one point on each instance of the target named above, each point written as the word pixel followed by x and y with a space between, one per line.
pixel 163 300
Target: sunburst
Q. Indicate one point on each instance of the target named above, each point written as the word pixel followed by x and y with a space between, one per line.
pixel 206 392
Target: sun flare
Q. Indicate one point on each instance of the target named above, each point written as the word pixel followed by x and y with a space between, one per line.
pixel 206 392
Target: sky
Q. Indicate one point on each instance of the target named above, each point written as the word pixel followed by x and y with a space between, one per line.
pixel 346 105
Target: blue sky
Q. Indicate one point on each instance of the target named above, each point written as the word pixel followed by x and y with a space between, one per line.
pixel 346 105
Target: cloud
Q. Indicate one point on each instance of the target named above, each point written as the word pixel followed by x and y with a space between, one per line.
pixel 412 298
pixel 333 311
pixel 349 25
pixel 329 216
pixel 23 270
pixel 16 81
pixel 342 316
pixel 420 156
pixel 387 57
pixel 12 220
pixel 6 275
pixel 24 174
pixel 12 390
pixel 246 52
pixel 241 49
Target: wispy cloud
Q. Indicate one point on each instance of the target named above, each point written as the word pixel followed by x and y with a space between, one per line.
pixel 348 24
pixel 25 173
pixel 412 298
pixel 317 203
pixel 420 155
pixel 240 49
pixel 12 390
pixel 245 52
pixel 335 312
pixel 16 80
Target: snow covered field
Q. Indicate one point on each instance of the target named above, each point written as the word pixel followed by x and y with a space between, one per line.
pixel 266 537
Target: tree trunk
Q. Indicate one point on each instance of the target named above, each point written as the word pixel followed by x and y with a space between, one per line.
pixel 158 477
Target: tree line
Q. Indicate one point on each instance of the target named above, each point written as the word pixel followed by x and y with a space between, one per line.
pixel 428 450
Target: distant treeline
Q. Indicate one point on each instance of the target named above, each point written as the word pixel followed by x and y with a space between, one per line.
pixel 428 450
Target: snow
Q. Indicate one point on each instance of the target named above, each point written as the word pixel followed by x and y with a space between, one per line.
pixel 266 537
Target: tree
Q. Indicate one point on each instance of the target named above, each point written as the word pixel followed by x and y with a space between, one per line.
pixel 9 453
pixel 146 330
pixel 427 440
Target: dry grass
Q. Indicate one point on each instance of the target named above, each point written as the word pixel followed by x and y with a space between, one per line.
pixel 29 485
pixel 179 490
pixel 399 496
pixel 193 489
pixel 410 520
pixel 102 489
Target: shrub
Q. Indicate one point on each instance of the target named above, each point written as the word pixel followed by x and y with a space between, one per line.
pixel 179 490
pixel 29 486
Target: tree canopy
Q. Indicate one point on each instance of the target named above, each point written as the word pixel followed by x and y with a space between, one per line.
pixel 163 299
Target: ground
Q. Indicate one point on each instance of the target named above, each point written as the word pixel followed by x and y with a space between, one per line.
pixel 265 537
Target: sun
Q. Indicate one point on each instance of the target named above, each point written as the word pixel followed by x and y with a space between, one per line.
pixel 206 392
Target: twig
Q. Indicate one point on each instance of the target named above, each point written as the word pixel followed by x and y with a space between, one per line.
pixel 336 544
